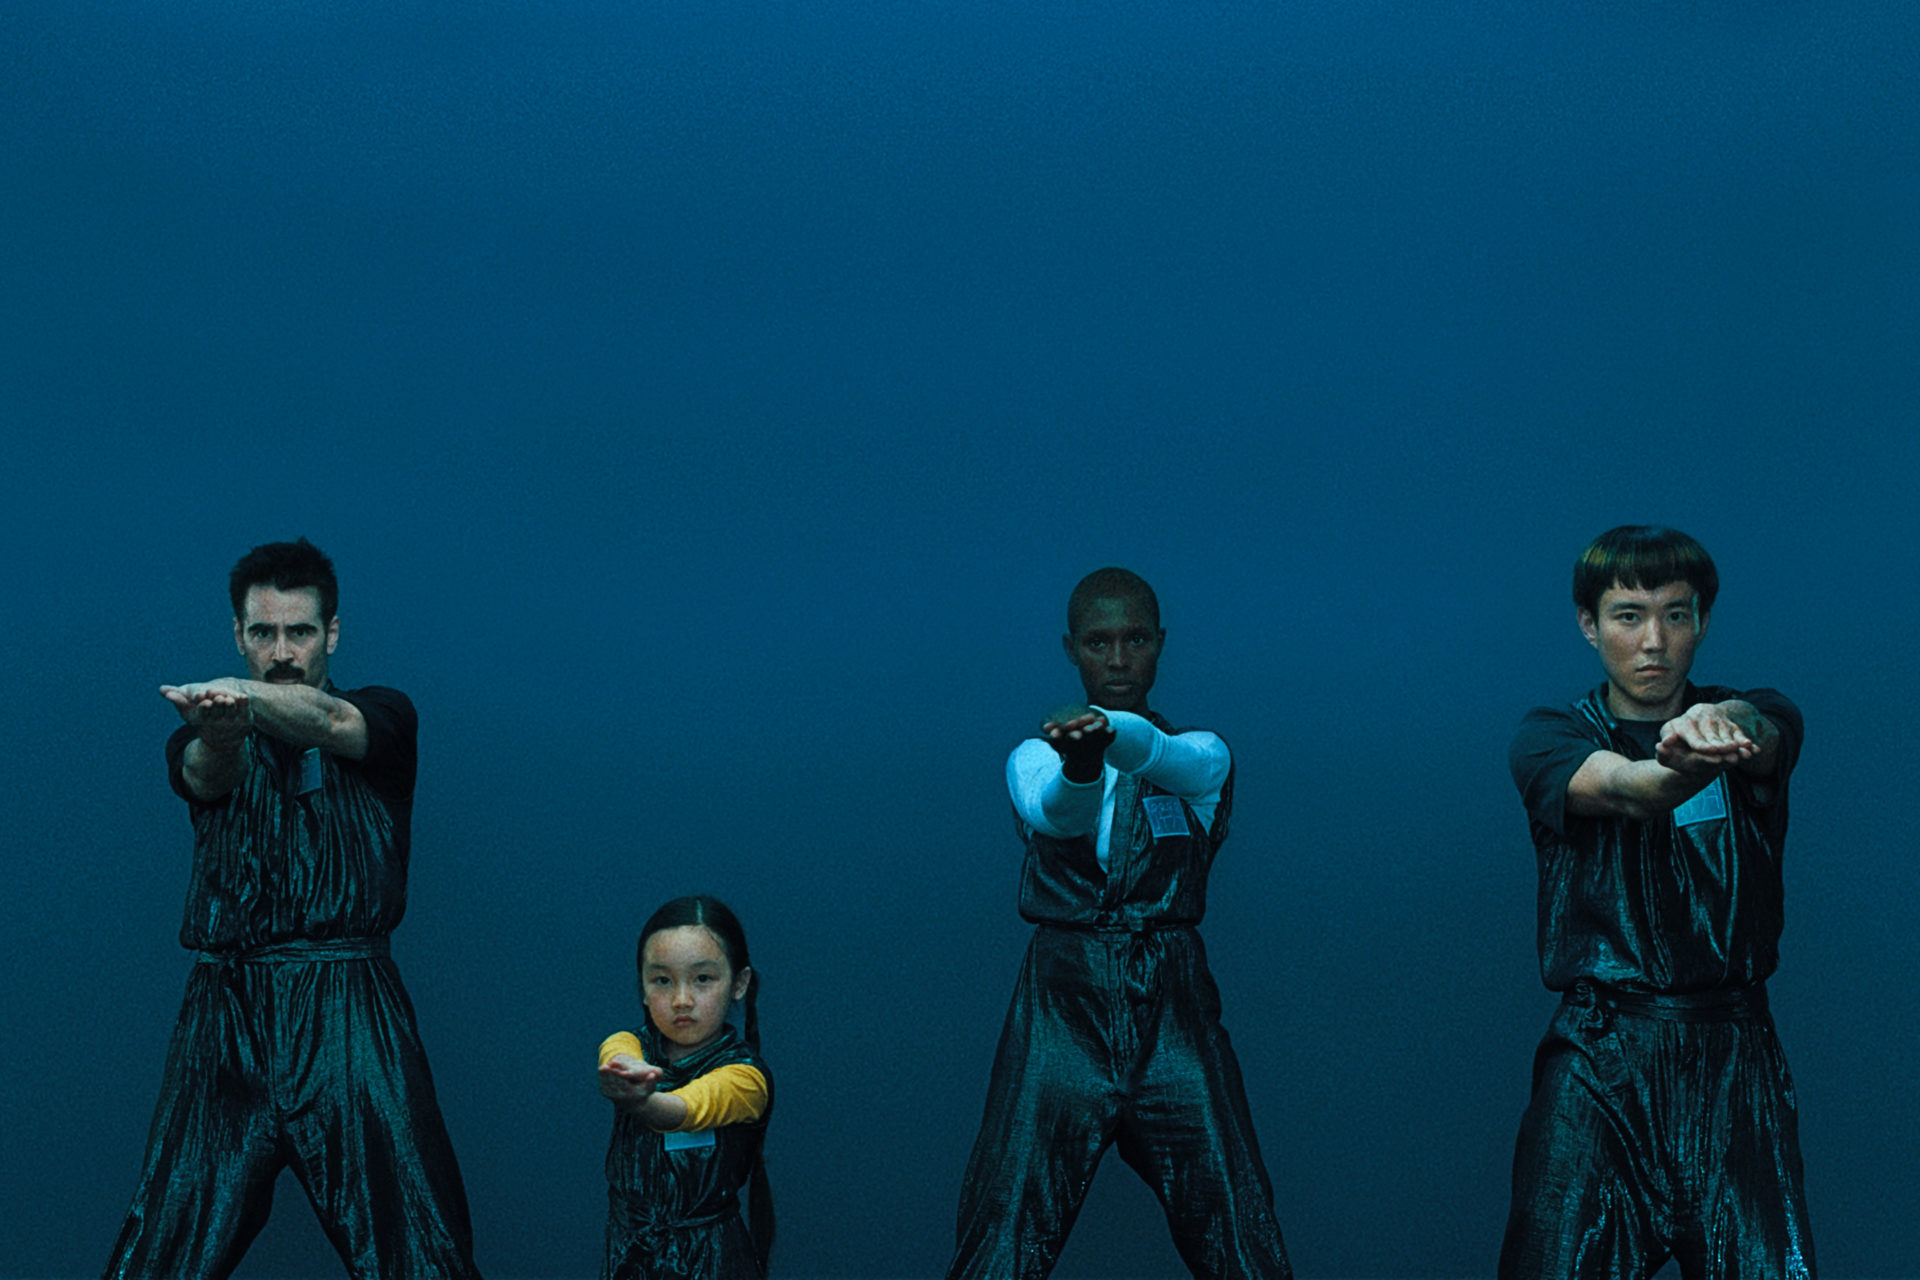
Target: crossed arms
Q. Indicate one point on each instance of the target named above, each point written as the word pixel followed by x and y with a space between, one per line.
pixel 225 711
pixel 1695 747
pixel 1057 780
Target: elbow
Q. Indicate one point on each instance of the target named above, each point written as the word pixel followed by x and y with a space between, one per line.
pixel 346 731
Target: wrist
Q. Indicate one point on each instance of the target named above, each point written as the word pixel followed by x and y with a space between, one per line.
pixel 1082 771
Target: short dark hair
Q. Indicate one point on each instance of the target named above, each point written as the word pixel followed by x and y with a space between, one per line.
pixel 717 918
pixel 1110 584
pixel 1643 555
pixel 285 566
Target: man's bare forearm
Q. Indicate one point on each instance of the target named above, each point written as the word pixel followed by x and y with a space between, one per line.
pixel 1765 734
pixel 1612 786
pixel 306 717
pixel 211 773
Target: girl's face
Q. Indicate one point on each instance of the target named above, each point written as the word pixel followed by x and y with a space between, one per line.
pixel 689 986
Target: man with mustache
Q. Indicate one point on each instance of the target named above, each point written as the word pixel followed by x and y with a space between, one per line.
pixel 1662 1123
pixel 1113 1037
pixel 296 1046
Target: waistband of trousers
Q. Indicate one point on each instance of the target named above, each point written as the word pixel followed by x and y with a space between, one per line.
pixel 1121 926
pixel 1731 1004
pixel 301 951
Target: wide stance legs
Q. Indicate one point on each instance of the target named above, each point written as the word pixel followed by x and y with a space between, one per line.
pixel 1650 1138
pixel 1114 1038
pixel 314 1066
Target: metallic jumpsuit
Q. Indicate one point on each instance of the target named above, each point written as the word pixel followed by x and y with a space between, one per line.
pixel 1662 1122
pixel 296 1046
pixel 1114 1038
pixel 674 1213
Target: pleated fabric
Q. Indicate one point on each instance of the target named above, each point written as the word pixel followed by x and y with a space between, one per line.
pixel 312 1064
pixel 296 1045
pixel 1113 1039
pixel 1662 1122
pixel 1657 1130
pixel 675 1214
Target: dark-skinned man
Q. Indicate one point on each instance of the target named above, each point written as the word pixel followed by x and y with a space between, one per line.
pixel 1114 1035
pixel 1662 1122
pixel 296 1046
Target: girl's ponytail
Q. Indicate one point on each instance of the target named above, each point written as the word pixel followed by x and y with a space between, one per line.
pixel 760 1212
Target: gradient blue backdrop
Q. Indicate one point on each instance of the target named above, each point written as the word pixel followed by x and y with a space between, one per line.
pixel 709 406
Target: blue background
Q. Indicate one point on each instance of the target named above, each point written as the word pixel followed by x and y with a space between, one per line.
pixel 709 406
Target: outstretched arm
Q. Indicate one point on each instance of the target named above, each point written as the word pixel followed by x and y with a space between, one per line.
pixel 213 764
pixel 733 1094
pixel 1061 793
pixel 295 713
pixel 1192 765
pixel 1732 734
pixel 1080 736
pixel 1057 779
pixel 629 1084
pixel 1694 748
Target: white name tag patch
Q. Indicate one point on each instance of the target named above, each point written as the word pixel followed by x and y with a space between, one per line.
pixel 1705 806
pixel 677 1141
pixel 1166 815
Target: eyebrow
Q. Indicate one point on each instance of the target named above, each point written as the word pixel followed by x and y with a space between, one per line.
pixel 1688 601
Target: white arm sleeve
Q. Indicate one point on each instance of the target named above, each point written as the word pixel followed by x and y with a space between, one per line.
pixel 1192 765
pixel 1043 797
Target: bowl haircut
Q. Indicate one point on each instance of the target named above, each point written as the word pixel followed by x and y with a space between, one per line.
pixel 1647 557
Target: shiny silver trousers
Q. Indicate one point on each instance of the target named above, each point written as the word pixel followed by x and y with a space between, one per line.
pixel 1660 1127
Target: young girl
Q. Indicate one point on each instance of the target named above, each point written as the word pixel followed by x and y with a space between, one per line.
pixel 691 1101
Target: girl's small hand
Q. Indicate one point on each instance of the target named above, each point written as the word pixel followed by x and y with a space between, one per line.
pixel 627 1081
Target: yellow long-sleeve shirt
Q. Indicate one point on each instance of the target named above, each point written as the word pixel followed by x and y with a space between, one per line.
pixel 733 1094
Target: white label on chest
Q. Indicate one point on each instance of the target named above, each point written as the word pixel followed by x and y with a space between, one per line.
pixel 1165 815
pixel 674 1140
pixel 1705 806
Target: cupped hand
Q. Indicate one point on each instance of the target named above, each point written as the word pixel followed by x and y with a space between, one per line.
pixel 219 709
pixel 1704 738
pixel 627 1080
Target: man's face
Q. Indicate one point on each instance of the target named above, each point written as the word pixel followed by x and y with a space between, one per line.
pixel 1646 639
pixel 1116 646
pixel 282 636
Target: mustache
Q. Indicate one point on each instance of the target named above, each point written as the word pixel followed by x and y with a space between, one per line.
pixel 286 670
